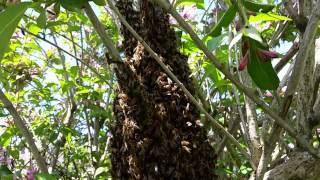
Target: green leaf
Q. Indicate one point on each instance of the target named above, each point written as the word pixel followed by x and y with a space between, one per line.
pixel 45 176
pixel 42 19
pixel 33 28
pixel 100 2
pixel 268 17
pixel 100 170
pixel 215 42
pixel 252 33
pixel 6 137
pixel 85 91
pixel 7 177
pixel 261 72
pixel 211 71
pixel 4 171
pixel 9 20
pixel 256 7
pixel 74 70
pixel 225 20
pixel 73 5
pixel 198 3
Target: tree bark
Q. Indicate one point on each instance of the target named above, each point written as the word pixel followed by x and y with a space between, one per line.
pixel 156 134
pixel 299 166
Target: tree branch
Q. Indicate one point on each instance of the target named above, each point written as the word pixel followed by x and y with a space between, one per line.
pixel 114 53
pixel 292 51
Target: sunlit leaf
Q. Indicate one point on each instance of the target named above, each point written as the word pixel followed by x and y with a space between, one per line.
pixel 268 17
pixel 6 137
pixel 198 3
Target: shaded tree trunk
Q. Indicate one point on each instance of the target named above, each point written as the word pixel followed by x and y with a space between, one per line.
pixel 156 134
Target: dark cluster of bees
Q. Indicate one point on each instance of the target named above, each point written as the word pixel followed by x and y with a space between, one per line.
pixel 155 134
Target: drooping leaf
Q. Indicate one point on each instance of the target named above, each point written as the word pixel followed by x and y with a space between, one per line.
pixel 198 3
pixel 256 7
pixel 268 17
pixel 9 20
pixel 261 72
pixel 225 20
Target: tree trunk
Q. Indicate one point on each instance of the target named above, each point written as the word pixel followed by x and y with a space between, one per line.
pixel 299 166
pixel 156 134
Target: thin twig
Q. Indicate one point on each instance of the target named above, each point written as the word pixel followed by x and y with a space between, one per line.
pixel 292 51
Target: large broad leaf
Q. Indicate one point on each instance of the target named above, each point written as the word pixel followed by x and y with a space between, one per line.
pixel 268 17
pixel 256 7
pixel 225 20
pixel 9 20
pixel 198 3
pixel 261 72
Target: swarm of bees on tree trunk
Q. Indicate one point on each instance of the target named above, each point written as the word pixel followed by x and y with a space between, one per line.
pixel 155 134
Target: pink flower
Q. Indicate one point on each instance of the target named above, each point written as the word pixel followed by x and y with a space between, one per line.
pixel 244 61
pixel 30 173
pixel 189 12
pixel 268 94
pixel 266 55
pixel 172 20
